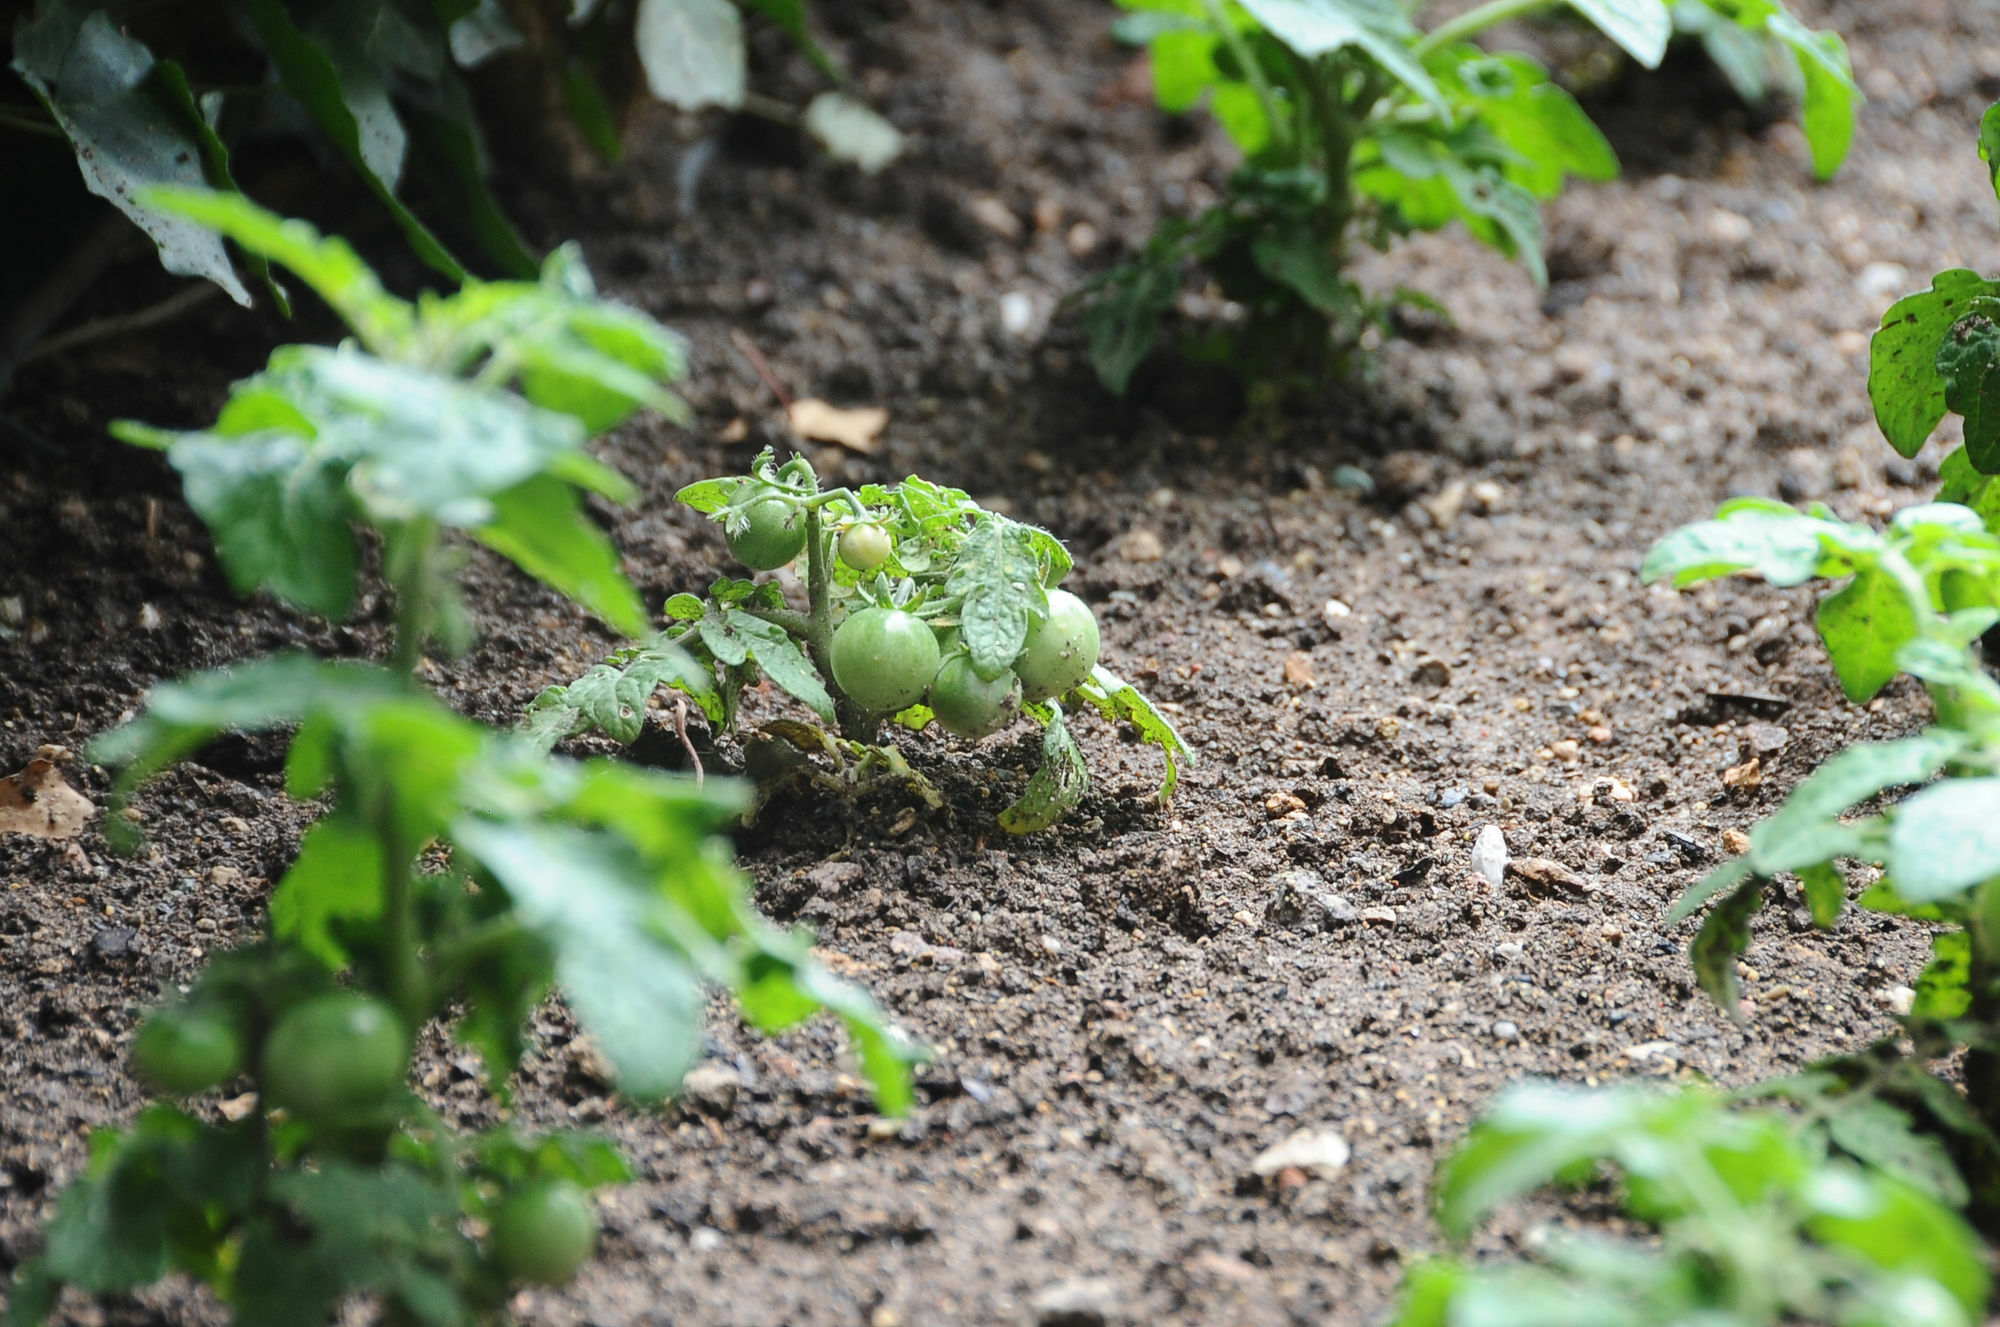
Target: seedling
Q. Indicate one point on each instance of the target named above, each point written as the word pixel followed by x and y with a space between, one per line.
pixel 920 606
pixel 1938 351
pixel 1743 1221
pixel 1358 126
pixel 460 875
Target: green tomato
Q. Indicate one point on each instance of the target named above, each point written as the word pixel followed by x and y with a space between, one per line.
pixel 969 705
pixel 884 658
pixel 334 1055
pixel 865 547
pixel 774 534
pixel 1061 649
pixel 185 1051
pixel 543 1233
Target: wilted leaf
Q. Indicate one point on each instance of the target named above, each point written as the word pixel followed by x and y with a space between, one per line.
pixel 692 52
pixel 855 429
pixel 852 131
pixel 36 801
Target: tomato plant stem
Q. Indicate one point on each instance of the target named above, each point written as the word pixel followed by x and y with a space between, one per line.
pixel 855 724
pixel 1475 21
pixel 1282 132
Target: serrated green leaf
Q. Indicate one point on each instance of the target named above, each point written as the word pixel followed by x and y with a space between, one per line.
pixel 1642 27
pixel 1989 144
pixel 1944 986
pixel 1864 626
pixel 1832 100
pixel 1119 701
pixel 709 496
pixel 337 877
pixel 1826 892
pixel 128 129
pixel 1968 361
pixel 279 509
pixel 1122 319
pixel 1903 381
pixel 639 999
pixel 784 662
pixel 999 579
pixel 1313 28
pixel 1945 839
pixel 1883 1136
pixel 332 95
pixel 542 528
pixel 1549 134
pixel 1056 788
pixel 1806 831
pixel 1723 938
pixel 1783 546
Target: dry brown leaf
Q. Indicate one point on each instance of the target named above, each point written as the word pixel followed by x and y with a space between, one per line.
pixel 37 801
pixel 855 429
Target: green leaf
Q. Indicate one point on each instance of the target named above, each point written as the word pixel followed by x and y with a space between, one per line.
pixel 337 877
pixel 1832 99
pixel 1779 544
pixel 1531 1135
pixel 334 271
pixel 279 509
pixel 1989 144
pixel 786 664
pixel 1968 360
pixel 129 128
pixel 451 127
pixel 998 576
pixel 1549 134
pixel 1888 1225
pixel 1183 64
pixel 1312 28
pixel 1121 322
pixel 1864 625
pixel 1903 381
pixel 34 1290
pixel 1119 701
pixel 612 696
pixel 542 527
pixel 709 496
pixel 1944 986
pixel 1806 831
pixel 1884 1137
pixel 1057 787
pixel 366 140
pixel 1724 877
pixel 1826 892
pixel 1945 839
pixel 692 52
pixel 1293 254
pixel 852 131
pixel 1642 27
pixel 1724 936
pixel 639 998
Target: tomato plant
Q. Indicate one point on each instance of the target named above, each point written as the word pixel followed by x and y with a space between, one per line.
pixel 956 590
pixel 459 875
pixel 1357 126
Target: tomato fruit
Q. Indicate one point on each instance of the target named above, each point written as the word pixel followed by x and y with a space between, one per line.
pixel 185 1051
pixel 543 1233
pixel 773 534
pixel 969 705
pixel 865 547
pixel 1061 649
pixel 884 659
pixel 335 1054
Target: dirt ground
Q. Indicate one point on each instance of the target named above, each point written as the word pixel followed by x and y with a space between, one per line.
pixel 1127 1010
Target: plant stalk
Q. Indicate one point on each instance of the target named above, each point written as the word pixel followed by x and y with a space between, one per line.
pixel 1475 21
pixel 856 725
pixel 1267 96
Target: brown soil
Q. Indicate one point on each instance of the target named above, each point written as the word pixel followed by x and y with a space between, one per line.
pixel 1124 1011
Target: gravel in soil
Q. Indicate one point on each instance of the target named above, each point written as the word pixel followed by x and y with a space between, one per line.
pixel 1128 1010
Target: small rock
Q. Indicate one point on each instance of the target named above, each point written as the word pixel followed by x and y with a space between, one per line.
pixel 1880 281
pixel 1319 1152
pixel 1489 854
pixel 237 1108
pixel 1736 842
pixel 1451 797
pixel 1141 545
pixel 711 1089
pixel 150 619
pixel 996 216
pixel 1017 313
pixel 1567 751
pixel 1338 909
pixel 1746 776
pixel 1051 946
pixel 1546 875
pixel 1446 505
pixel 1078 1301
pixel 1764 739
pixel 1082 239
pixel 831 878
pixel 1333 610
pixel 224 876
pixel 1379 913
pixel 1509 950
pixel 1487 496
pixel 1292 1096
pixel 1729 228
pixel 1279 805
pixel 1506 1031
pixel 1900 1000
pixel 705 1239
pixel 1401 476
pixel 1299 670
pixel 1432 672
pixel 114 941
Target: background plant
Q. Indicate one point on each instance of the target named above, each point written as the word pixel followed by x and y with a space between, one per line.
pixel 1938 352
pixel 1740 1219
pixel 460 874
pixel 1358 126
pixel 973 593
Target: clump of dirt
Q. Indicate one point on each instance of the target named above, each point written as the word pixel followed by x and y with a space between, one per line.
pixel 1127 1010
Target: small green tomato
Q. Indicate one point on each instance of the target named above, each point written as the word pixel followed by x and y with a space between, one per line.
pixel 865 547
pixel 884 658
pixel 1061 649
pixel 185 1051
pixel 774 533
pixel 335 1054
pixel 544 1233
pixel 970 705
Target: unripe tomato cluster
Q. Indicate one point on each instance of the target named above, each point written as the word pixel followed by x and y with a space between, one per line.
pixel 887 660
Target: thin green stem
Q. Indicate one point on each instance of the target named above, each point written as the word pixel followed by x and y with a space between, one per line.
pixel 1267 96
pixel 407 566
pixel 29 124
pixel 1475 21
pixel 855 724
pixel 792 620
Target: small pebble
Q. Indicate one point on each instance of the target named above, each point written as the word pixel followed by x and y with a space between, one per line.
pixel 1508 950
pixel 1489 854
pixel 705 1239
pixel 1506 1031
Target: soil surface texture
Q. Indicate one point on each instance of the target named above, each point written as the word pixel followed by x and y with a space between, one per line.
pixel 1127 1010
